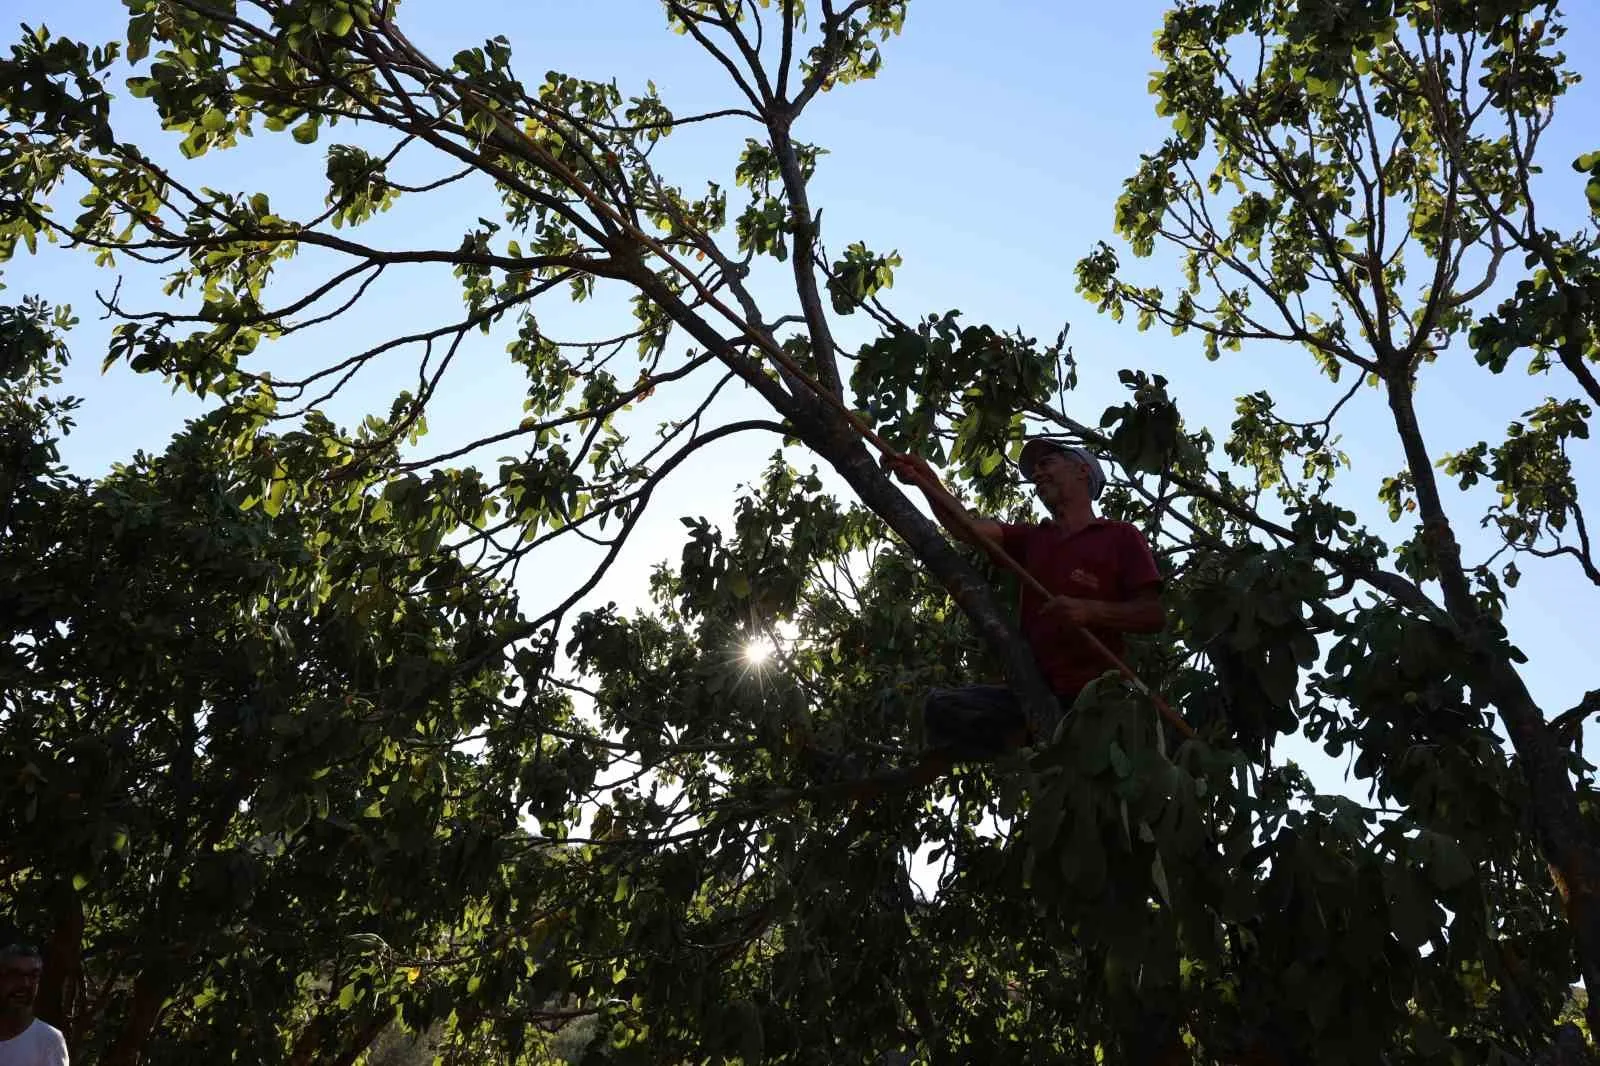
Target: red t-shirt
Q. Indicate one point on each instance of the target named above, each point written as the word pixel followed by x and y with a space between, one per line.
pixel 1104 560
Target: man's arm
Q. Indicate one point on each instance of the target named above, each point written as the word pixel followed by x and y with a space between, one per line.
pixel 960 522
pixel 1144 613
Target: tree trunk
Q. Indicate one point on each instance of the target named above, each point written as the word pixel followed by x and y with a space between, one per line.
pixel 129 1047
pixel 320 1041
pixel 1568 846
pixel 361 1040
pixel 307 1044
pixel 63 961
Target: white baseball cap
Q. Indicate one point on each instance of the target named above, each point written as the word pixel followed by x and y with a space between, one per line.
pixel 1038 447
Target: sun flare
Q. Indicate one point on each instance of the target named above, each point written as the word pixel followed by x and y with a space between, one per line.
pixel 758 652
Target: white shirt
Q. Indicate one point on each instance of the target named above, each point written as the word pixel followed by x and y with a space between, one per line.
pixel 40 1044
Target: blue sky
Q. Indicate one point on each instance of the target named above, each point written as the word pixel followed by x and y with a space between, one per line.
pixel 989 153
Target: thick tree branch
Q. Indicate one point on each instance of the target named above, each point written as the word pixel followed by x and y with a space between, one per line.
pixel 804 258
pixel 1568 725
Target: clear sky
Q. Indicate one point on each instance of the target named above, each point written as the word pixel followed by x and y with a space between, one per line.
pixel 989 152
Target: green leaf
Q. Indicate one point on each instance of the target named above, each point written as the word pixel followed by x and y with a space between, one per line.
pixel 1121 765
pixel 1158 876
pixel 273 502
pixel 1448 866
pixel 744 1026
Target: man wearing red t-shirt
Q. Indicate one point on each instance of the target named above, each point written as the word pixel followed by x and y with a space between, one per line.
pixel 1101 573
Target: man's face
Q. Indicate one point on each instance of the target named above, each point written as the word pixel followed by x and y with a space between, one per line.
pixel 19 983
pixel 1060 479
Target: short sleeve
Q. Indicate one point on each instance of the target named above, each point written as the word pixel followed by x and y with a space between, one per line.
pixel 1136 564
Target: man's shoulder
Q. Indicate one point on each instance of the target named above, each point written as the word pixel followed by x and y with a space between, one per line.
pixel 51 1042
pixel 1114 529
pixel 1123 529
pixel 40 1037
pixel 45 1034
pixel 1128 543
pixel 1111 527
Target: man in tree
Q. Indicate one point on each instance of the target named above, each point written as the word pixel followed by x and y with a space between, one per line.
pixel 1101 573
pixel 24 1039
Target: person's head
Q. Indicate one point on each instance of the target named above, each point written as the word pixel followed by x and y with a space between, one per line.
pixel 1064 475
pixel 20 967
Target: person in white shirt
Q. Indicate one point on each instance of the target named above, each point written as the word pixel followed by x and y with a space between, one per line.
pixel 24 1039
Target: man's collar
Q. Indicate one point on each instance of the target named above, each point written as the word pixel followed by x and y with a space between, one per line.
pixel 1097 520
